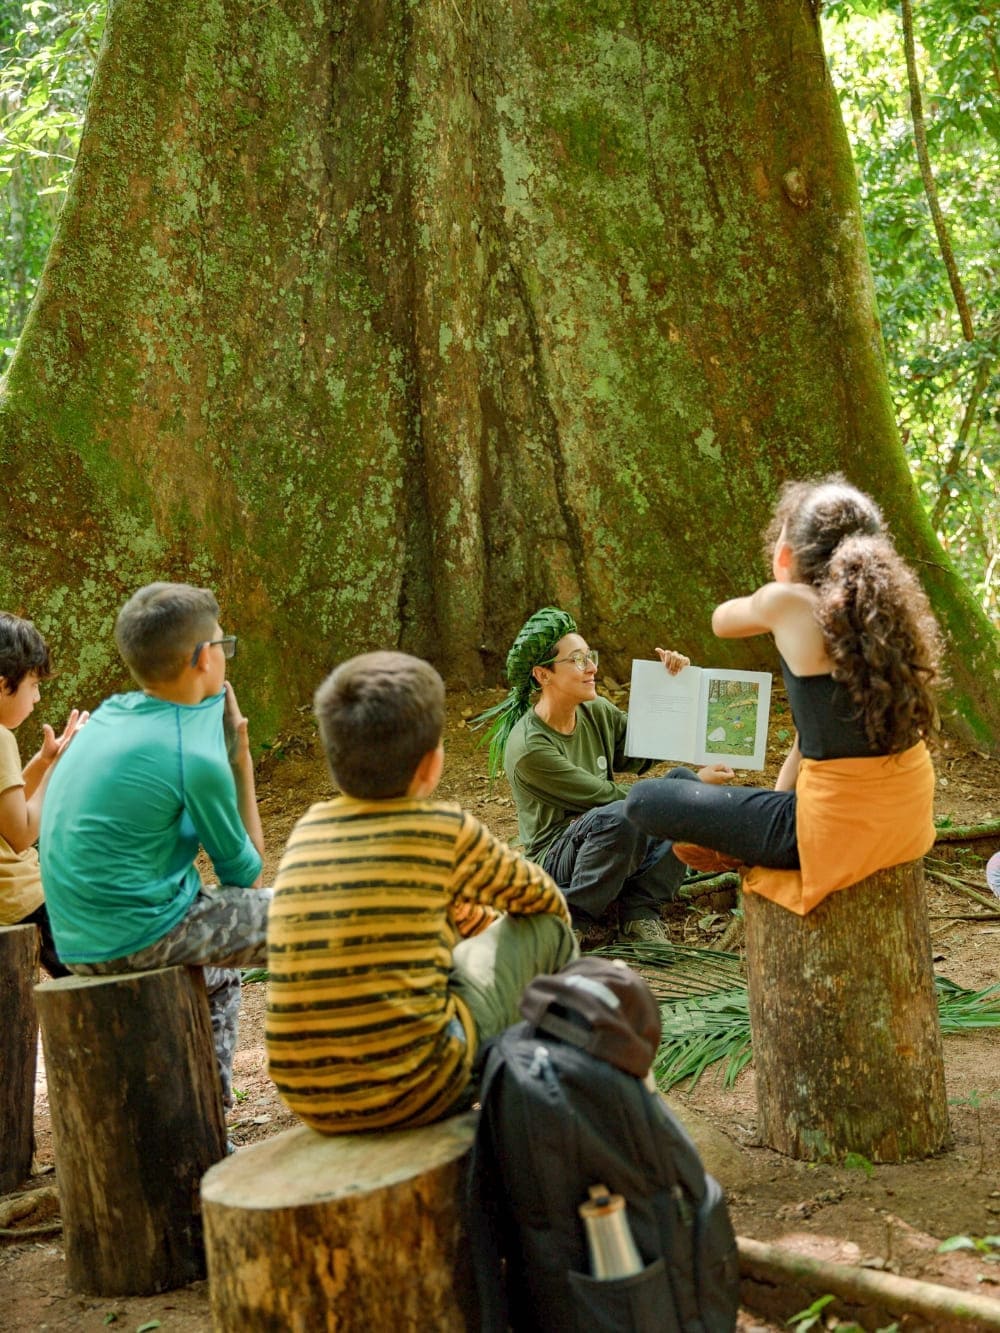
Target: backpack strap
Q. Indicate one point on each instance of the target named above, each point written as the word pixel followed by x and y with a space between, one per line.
pixel 483 1199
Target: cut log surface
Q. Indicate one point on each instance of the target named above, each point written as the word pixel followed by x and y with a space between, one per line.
pixel 18 1052
pixel 306 1233
pixel 136 1120
pixel 846 1034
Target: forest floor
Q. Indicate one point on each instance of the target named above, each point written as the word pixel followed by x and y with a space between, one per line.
pixel 886 1217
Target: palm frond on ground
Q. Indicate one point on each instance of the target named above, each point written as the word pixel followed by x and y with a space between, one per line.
pixel 703 1007
pixel 674 972
pixel 963 1010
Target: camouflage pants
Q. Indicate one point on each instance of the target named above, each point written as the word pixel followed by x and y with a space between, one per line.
pixel 224 929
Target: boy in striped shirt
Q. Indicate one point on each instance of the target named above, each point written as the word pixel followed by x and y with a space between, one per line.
pixel 375 1008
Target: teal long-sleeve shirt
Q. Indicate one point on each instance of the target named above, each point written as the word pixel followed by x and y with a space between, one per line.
pixel 143 785
pixel 554 778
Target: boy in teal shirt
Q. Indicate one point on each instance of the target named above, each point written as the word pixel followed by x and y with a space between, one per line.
pixel 163 772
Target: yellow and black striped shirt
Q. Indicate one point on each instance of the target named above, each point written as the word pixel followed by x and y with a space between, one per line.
pixel 362 1031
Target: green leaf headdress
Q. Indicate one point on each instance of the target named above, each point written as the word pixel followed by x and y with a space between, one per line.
pixel 534 646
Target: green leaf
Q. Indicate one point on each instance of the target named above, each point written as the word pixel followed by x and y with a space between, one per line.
pixel 869 9
pixel 956 1243
pixel 810 1316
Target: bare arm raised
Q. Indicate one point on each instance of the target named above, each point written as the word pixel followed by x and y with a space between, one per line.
pixel 786 610
pixel 21 807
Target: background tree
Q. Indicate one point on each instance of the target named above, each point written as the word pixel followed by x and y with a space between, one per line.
pixel 946 389
pixel 47 52
pixel 394 321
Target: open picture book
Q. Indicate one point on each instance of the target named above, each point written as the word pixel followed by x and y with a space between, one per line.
pixel 703 715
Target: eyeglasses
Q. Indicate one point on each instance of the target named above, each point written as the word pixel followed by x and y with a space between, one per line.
pixel 579 659
pixel 227 643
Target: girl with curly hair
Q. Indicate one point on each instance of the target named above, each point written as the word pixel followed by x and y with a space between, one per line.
pixel 858 648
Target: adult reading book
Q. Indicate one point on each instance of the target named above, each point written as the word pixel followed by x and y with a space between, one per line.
pixel 561 745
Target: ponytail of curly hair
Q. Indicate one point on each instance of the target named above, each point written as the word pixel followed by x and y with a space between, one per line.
pixel 875 618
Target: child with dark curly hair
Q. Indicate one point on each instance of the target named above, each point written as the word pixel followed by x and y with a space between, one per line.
pixel 858 648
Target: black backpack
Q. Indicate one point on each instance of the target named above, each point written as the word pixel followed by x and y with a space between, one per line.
pixel 555 1120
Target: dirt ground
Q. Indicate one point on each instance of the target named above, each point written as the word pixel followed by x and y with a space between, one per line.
pixel 889 1217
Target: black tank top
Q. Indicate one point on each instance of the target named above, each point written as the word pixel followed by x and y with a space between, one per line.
pixel 825 717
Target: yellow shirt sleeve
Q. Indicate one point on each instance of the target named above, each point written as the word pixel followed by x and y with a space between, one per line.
pixel 487 871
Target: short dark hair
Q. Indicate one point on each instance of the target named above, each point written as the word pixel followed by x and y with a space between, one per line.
pixel 22 649
pixel 378 715
pixel 158 627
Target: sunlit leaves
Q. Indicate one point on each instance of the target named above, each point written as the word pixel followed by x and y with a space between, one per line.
pixel 47 56
pixel 947 390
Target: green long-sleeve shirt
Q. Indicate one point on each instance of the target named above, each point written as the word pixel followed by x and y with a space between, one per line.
pixel 554 778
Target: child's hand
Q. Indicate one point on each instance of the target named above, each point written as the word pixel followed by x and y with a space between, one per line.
pixel 715 774
pixel 53 745
pixel 674 662
pixel 235 726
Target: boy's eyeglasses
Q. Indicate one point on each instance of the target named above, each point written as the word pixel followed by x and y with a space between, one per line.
pixel 579 659
pixel 227 643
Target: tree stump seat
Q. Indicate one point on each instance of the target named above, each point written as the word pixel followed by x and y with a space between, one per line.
pixel 18 1052
pixel 307 1232
pixel 137 1119
pixel 844 1017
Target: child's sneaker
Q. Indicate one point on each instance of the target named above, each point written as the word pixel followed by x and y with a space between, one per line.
pixel 993 873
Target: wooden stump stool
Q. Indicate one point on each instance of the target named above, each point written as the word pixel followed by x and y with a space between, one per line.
pixel 844 1016
pixel 18 1052
pixel 136 1120
pixel 306 1233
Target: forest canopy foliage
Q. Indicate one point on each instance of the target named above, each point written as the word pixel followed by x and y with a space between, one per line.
pixel 946 388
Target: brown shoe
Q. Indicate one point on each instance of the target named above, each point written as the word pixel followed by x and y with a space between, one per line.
pixel 705 858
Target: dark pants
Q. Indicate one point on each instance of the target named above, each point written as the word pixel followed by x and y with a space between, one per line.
pixel 602 858
pixel 752 823
pixel 47 948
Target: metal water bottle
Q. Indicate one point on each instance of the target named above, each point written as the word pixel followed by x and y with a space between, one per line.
pixel 609 1236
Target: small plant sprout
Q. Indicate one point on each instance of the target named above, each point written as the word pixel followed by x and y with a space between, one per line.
pixel 811 1317
pixel 985 1245
pixel 855 1161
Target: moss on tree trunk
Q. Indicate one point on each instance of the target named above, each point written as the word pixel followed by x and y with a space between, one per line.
pixel 393 321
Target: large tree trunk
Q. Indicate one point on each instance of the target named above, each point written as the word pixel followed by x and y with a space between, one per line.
pixel 18 1052
pixel 846 1034
pixel 395 320
pixel 354 1232
pixel 136 1121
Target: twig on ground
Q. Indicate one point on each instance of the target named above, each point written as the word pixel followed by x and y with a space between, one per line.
pixel 968 832
pixel 885 1292
pixel 967 916
pixel 692 889
pixel 25 1233
pixel 980 898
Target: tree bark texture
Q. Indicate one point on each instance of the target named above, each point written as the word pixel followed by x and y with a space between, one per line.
pixel 844 1017
pixel 18 1053
pixel 136 1121
pixel 395 320
pixel 347 1233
